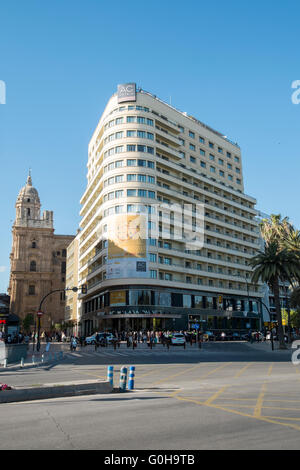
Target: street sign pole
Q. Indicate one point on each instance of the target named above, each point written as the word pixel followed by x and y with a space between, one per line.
pixel 38 344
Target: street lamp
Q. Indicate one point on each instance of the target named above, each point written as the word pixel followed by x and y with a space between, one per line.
pixel 40 313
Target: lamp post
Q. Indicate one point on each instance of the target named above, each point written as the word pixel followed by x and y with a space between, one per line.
pixel 288 312
pixel 40 313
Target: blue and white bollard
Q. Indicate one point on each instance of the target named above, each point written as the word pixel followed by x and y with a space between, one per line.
pixel 22 361
pixel 131 378
pixel 123 379
pixel 43 357
pixel 5 363
pixel 110 375
pixel 33 359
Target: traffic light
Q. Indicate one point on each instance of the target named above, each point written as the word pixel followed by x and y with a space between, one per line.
pixel 84 289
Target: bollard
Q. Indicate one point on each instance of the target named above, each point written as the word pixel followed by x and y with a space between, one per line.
pixel 110 375
pixel 123 379
pixel 131 378
pixel 33 359
pixel 22 361
pixel 5 363
pixel 43 357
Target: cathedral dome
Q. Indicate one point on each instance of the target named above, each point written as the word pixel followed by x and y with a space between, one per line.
pixel 28 193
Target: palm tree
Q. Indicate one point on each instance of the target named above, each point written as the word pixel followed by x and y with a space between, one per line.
pixel 295 298
pixel 275 229
pixel 271 266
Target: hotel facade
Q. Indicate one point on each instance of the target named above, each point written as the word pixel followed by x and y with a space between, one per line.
pixel 166 229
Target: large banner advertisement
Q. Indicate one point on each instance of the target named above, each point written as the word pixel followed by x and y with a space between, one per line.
pixel 127 246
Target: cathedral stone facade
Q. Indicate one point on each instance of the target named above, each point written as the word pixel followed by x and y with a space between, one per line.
pixel 38 261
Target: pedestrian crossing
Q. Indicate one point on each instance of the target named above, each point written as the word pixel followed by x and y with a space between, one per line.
pixel 125 353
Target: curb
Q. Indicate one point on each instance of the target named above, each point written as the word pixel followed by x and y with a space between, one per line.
pixel 68 389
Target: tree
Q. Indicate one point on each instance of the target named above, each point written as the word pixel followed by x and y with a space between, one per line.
pixel 295 298
pixel 272 265
pixel 28 322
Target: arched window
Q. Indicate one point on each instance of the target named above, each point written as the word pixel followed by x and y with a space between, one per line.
pixel 33 245
pixel 32 266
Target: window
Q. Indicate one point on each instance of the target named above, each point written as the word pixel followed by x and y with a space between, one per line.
pixel 238 181
pixel 211 145
pixel 220 161
pixel 220 150
pixel 237 170
pixel 212 169
pixel 131 192
pixel 168 277
pixel 63 267
pixel 236 159
pixel 131 177
pixel 181 128
pixel 142 163
pixel 192 134
pixel 151 194
pixel 119 178
pixel 229 166
pixel 192 147
pixel 142 193
pixel 64 253
pixel 201 140
pixel 131 148
pixel 202 152
pixel 211 157
pixel 119 120
pixel 228 154
pixel 141 120
pixel 150 150
pixel 33 245
pixel 31 290
pixel 230 177
pixel 150 164
pixel 131 133
pixel 119 163
pixel 153 274
pixel 149 122
pixel 152 257
pixel 119 149
pixel 192 159
pixel 182 142
pixel 119 193
pixel 151 179
pixel 131 162
pixel 221 173
pixel 203 164
pixel 32 266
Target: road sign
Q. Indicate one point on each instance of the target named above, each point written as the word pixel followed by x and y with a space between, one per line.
pixel 195 326
pixel 39 314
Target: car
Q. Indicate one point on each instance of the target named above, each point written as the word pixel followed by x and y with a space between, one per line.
pixel 178 339
pixel 236 336
pixel 90 339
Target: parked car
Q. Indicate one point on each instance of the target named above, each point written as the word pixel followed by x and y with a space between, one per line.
pixel 236 336
pixel 178 339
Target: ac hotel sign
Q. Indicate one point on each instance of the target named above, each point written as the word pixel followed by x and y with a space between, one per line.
pixel 126 92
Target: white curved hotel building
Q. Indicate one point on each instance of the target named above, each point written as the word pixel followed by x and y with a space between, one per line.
pixel 166 229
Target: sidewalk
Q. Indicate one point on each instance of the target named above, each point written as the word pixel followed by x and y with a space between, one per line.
pixel 267 347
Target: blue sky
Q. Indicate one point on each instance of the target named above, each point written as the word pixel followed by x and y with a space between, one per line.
pixel 230 64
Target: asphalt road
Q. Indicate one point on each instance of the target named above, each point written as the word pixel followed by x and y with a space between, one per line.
pixel 225 396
